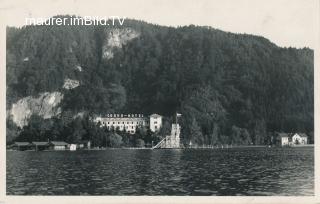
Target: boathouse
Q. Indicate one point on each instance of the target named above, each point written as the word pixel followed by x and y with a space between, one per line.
pixel 22 146
pixel 58 145
pixel 40 146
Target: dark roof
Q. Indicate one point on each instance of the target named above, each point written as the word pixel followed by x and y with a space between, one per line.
pixel 40 143
pixel 290 135
pixel 59 143
pixel 22 143
pixel 283 134
pixel 302 134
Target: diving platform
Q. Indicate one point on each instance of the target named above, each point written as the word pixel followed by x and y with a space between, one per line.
pixel 171 141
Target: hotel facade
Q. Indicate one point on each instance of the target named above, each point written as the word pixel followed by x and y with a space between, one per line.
pixel 130 122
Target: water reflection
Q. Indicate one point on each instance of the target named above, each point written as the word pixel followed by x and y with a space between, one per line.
pixel 260 171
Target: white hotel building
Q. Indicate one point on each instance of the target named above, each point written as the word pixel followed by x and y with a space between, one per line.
pixel 130 122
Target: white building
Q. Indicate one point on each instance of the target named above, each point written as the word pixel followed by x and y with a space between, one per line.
pixel 155 122
pixel 130 122
pixel 300 138
pixel 293 139
pixel 284 139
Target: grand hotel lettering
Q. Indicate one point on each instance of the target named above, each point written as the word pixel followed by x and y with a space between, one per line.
pixel 124 116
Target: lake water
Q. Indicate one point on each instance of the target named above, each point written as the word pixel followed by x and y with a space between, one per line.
pixel 237 171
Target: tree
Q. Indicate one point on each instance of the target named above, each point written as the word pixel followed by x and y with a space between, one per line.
pixel 239 136
pixel 141 133
pixel 78 131
pixel 140 143
pixel 235 135
pixel 12 131
pixel 311 138
pixel 214 136
pixel 127 139
pixel 115 140
pixel 259 132
pixel 195 133
pixel 245 137
pixel 33 131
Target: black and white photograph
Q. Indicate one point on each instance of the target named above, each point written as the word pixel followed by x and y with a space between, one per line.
pixel 159 98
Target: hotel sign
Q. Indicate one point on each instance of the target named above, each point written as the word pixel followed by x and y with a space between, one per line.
pixel 111 115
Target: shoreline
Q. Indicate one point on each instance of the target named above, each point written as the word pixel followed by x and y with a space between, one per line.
pixel 149 148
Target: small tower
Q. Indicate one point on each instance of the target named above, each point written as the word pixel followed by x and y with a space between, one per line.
pixel 155 122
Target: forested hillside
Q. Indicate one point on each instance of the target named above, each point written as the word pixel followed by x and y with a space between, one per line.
pixel 230 88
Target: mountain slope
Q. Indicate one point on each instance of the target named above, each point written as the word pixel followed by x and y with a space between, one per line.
pixel 226 84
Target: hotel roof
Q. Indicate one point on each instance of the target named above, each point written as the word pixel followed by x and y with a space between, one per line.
pixel 155 115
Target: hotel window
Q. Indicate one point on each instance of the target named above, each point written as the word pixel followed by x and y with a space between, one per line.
pixel 118 122
pixel 108 122
pixel 155 122
pixel 155 127
pixel 113 123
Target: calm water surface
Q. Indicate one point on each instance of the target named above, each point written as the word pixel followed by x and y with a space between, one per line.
pixel 238 171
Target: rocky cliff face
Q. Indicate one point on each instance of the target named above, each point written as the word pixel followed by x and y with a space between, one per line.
pixel 116 39
pixel 46 105
pixel 70 84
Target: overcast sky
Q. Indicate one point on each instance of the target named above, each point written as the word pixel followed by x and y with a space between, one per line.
pixel 284 22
